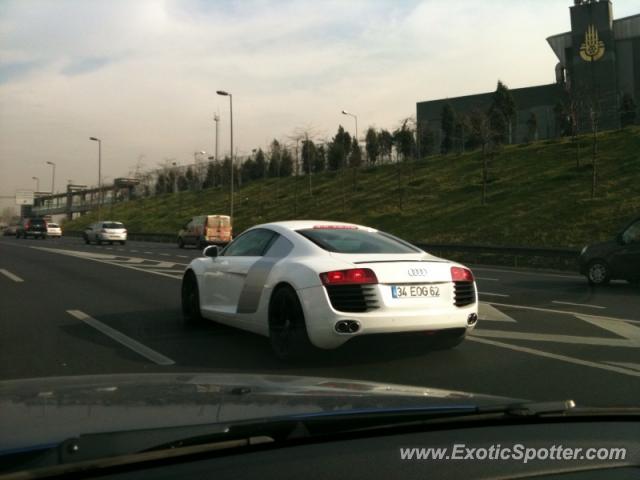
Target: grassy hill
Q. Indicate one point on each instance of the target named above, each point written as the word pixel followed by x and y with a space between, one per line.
pixel 536 197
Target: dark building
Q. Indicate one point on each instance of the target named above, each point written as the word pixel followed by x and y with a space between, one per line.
pixel 599 62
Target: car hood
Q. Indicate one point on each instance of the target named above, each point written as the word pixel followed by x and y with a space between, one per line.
pixel 46 411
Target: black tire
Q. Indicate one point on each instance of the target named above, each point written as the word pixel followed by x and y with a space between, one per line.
pixel 447 339
pixel 201 243
pixel 190 299
pixel 287 328
pixel 180 242
pixel 110 243
pixel 86 239
pixel 123 242
pixel 598 272
pixel 98 241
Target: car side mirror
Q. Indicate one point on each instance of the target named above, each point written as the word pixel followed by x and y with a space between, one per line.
pixel 211 251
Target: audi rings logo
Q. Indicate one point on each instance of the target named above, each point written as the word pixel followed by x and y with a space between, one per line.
pixel 417 272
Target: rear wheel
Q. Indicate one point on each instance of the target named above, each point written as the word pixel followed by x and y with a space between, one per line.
pixel 180 242
pixel 287 328
pixel 86 239
pixel 598 272
pixel 123 242
pixel 191 314
pixel 98 241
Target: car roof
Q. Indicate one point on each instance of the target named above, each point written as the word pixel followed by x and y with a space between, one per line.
pixel 303 224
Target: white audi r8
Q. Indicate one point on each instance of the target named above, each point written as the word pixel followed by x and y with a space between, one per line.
pixel 307 284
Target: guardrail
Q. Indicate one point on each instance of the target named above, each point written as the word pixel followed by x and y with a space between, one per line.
pixel 535 257
pixel 515 256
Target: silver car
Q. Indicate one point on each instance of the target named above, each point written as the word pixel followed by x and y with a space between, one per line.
pixel 53 230
pixel 105 231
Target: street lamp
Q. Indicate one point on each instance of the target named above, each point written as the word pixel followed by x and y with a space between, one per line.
pixel 227 94
pixel 95 139
pixel 37 183
pixel 175 177
pixel 344 112
pixel 53 175
pixel 195 155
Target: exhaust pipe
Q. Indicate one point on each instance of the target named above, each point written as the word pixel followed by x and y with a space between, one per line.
pixel 472 319
pixel 347 326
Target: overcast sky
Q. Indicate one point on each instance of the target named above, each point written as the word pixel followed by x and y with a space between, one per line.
pixel 142 74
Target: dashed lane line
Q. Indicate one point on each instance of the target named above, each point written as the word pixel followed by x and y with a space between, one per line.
pixel 11 276
pixel 122 339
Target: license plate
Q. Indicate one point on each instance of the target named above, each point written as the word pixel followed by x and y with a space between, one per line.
pixel 415 291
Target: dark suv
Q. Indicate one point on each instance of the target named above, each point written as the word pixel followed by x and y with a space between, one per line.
pixel 32 227
pixel 616 259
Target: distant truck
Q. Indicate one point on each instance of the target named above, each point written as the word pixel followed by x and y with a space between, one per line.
pixel 203 230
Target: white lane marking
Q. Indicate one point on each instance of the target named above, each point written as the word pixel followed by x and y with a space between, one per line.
pixel 121 338
pixel 133 251
pixel 622 329
pixel 565 312
pixel 182 256
pixel 164 254
pixel 11 276
pixel 489 313
pixel 488 279
pixel 558 302
pixel 632 366
pixel 71 253
pixel 535 274
pixel 109 248
pixel 547 337
pixel 148 252
pixel 494 294
pixel 554 356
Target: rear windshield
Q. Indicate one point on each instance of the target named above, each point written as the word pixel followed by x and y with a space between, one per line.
pixel 37 221
pixel 52 225
pixel 214 221
pixel 112 225
pixel 356 241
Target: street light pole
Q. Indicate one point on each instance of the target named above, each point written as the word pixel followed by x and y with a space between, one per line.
pixel 227 94
pixel 37 183
pixel 216 118
pixel 53 176
pixel 95 139
pixel 355 117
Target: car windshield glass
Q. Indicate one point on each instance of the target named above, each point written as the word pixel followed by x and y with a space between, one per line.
pixel 632 234
pixel 356 241
pixel 112 225
pixel 53 225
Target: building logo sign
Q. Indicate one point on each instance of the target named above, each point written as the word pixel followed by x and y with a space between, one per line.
pixel 593 48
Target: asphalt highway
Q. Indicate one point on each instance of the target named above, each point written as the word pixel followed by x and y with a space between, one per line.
pixel 67 308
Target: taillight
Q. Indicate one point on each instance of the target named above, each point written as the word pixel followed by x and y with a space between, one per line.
pixel 459 274
pixel 103 231
pixel 354 276
pixel 124 230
